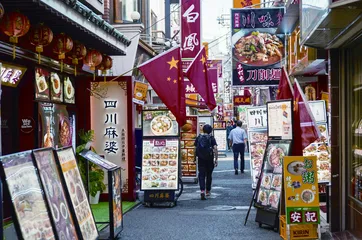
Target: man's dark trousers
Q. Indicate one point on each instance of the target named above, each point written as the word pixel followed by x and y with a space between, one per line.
pixel 239 149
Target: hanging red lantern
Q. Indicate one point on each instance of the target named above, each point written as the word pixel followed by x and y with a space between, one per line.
pixel 40 36
pixel 15 25
pixel 2 10
pixel 62 45
pixel 106 64
pixel 78 53
pixel 93 59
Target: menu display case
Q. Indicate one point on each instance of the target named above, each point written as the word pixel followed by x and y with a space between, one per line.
pixel 268 194
pixel 189 132
pixel 32 216
pixel 115 223
pixel 76 192
pixel 220 137
pixel 159 123
pixel 280 119
pixel 160 164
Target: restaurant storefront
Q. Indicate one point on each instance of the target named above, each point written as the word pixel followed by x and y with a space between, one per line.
pixel 41 93
pixel 343 39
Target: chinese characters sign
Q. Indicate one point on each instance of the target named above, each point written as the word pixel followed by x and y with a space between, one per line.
pixel 301 190
pixel 242 100
pixel 109 122
pixel 190 27
pixel 257 117
pixel 257 51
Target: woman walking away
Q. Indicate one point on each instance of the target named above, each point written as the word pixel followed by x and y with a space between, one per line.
pixel 238 139
pixel 206 152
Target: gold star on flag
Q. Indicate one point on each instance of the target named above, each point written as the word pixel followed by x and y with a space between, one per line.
pixel 168 79
pixel 173 63
pixel 203 59
pixel 175 81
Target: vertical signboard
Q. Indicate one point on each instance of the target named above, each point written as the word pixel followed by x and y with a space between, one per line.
pixel 190 27
pixel 257 51
pixel 301 190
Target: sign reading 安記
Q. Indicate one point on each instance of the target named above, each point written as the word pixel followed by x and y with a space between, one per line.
pixel 301 190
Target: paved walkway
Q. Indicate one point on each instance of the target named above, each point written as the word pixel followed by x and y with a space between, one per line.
pixel 196 219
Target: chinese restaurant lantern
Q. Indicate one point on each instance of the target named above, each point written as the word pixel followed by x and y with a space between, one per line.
pixel 40 36
pixel 105 65
pixel 78 52
pixel 62 45
pixel 93 59
pixel 2 11
pixel 15 25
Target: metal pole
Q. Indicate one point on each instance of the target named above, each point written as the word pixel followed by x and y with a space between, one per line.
pixel 168 19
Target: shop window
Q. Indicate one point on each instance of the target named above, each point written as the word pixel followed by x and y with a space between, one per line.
pixel 354 93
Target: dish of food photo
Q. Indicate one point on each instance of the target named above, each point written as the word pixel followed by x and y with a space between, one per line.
pixel 41 83
pixel 65 136
pixel 185 168
pixel 296 168
pixel 258 48
pixel 322 148
pixel 163 163
pixel 161 125
pixel 191 152
pixel 323 157
pixel 189 144
pixel 266 181
pixel 191 136
pixel 273 199
pixel 192 168
pixel 324 176
pixel 187 127
pixel 68 88
pixel 147 156
pixel 307 196
pixel 322 128
pixel 257 162
pixel 323 165
pixel 172 163
pixel 263 196
pixel 277 181
pixel 173 156
pixel 56 85
pixel 275 157
pixel 258 137
pixel 164 156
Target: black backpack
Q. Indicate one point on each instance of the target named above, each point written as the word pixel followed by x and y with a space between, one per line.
pixel 204 147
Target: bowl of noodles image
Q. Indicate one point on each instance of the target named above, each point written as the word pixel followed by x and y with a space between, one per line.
pixel 258 48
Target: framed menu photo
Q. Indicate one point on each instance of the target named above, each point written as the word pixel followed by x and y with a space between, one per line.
pixel 159 123
pixel 42 90
pixel 220 137
pixel 319 111
pixel 69 91
pixel 160 164
pixel 77 194
pixel 32 216
pixel 279 117
pixel 54 191
pixel 56 87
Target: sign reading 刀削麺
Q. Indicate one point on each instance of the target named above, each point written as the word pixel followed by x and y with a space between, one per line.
pixel 301 190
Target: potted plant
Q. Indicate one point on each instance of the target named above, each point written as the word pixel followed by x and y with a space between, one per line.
pixel 96 175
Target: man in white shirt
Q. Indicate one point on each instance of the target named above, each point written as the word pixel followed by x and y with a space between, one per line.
pixel 238 140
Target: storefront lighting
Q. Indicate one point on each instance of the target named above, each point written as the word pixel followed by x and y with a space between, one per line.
pixel 10 75
pixel 135 16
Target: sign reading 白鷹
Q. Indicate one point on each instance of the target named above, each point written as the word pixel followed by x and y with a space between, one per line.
pixel 301 190
pixel 257 51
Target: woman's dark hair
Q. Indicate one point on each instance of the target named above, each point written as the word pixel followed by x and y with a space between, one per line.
pixel 207 129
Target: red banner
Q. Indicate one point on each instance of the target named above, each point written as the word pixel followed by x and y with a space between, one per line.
pixel 190 28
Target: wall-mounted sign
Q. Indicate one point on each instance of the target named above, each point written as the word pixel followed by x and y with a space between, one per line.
pixel 69 91
pixel 56 89
pixel 257 51
pixel 11 75
pixel 140 92
pixel 42 91
pixel 242 100
pixel 109 121
pixel 27 125
pixel 190 27
pixel 257 117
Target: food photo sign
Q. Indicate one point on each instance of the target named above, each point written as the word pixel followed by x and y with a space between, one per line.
pixel 160 164
pixel 301 190
pixel 257 51
pixel 42 90
pixel 268 194
pixel 77 194
pixel 189 132
pixel 54 191
pixel 257 145
pixel 159 123
pixel 32 217
pixel 56 90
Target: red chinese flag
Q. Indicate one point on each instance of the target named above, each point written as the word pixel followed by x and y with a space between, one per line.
pixel 198 75
pixel 164 73
pixel 305 129
pixel 285 87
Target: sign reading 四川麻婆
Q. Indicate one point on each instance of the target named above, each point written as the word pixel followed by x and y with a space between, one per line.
pixel 301 190
pixel 257 51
